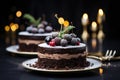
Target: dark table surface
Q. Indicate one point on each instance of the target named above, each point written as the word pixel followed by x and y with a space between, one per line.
pixel 11 68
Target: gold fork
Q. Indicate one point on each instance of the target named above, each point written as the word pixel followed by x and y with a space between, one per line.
pixel 108 55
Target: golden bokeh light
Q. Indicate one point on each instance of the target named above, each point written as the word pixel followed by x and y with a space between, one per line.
pixel 7 28
pixel 17 26
pixel 11 24
pixel 18 13
pixel 14 27
pixel 100 71
pixel 94 43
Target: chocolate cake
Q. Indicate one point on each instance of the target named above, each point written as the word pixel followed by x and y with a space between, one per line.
pixel 62 51
pixel 29 41
pixel 58 57
pixel 34 34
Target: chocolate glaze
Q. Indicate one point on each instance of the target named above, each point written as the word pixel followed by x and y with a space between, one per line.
pixel 62 50
pixel 31 37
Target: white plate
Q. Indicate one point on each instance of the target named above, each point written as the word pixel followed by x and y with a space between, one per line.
pixel 94 64
pixel 13 49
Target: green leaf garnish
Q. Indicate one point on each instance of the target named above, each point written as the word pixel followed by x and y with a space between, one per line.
pixel 66 30
pixel 31 19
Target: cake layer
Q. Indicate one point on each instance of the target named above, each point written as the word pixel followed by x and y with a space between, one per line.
pixel 73 63
pixel 29 41
pixel 59 56
pixel 28 48
pixel 44 48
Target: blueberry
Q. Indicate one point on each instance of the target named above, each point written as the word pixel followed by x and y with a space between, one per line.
pixel 41 30
pixel 29 28
pixel 34 30
pixel 73 35
pixel 63 42
pixel 48 28
pixel 74 41
pixel 57 41
pixel 79 40
pixel 68 37
pixel 40 26
pixel 44 23
pixel 55 34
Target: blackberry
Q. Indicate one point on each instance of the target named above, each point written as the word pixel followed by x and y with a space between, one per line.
pixel 48 39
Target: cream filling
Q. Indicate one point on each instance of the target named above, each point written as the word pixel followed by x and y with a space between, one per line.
pixel 27 42
pixel 61 56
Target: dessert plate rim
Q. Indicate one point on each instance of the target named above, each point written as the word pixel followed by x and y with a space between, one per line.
pixel 94 64
pixel 13 49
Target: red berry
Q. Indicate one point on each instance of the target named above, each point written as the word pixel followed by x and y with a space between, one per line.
pixel 52 43
pixel 53 40
pixel 78 43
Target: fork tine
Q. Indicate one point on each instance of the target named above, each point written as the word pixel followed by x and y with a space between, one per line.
pixel 114 53
pixel 107 53
pixel 110 53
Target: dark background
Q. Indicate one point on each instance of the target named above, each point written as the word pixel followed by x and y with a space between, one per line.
pixel 72 10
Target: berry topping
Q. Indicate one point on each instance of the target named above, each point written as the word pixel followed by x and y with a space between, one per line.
pixel 63 42
pixel 68 37
pixel 29 28
pixel 55 35
pixel 73 35
pixel 48 28
pixel 41 30
pixel 57 41
pixel 41 25
pixel 34 30
pixel 48 39
pixel 52 43
pixel 74 41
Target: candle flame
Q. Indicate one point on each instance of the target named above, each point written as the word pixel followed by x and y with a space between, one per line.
pixel 85 16
pixel 94 26
pixel 100 12
pixel 85 19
